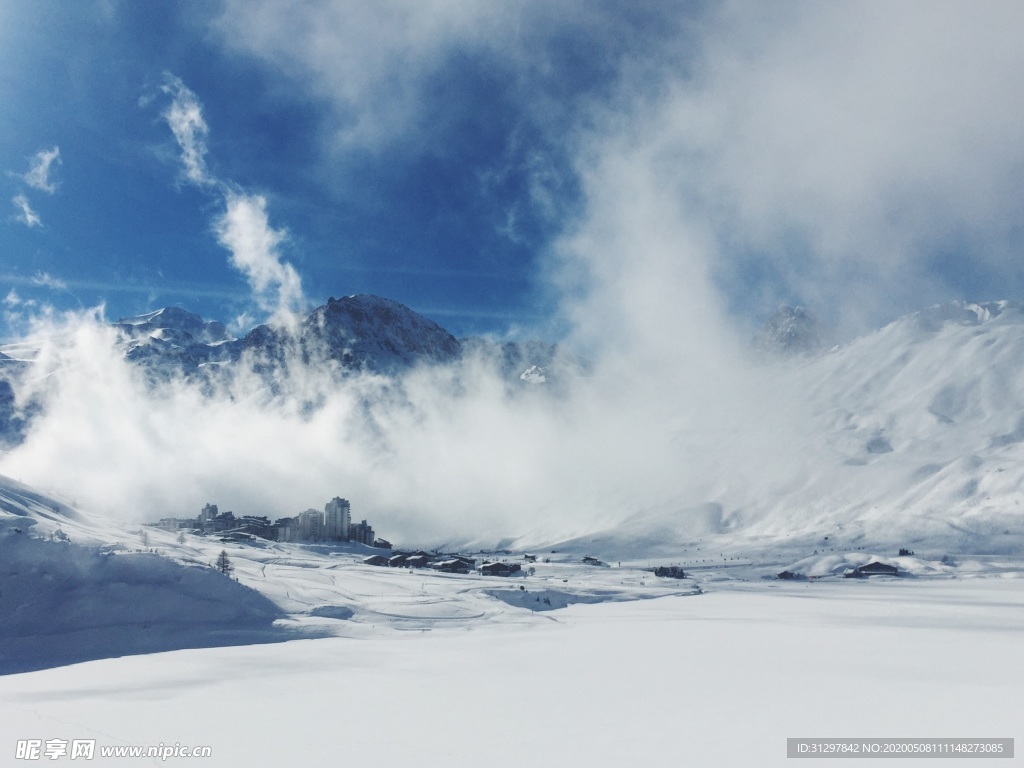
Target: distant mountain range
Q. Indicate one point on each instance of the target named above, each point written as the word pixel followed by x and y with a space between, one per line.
pixel 914 432
pixel 361 333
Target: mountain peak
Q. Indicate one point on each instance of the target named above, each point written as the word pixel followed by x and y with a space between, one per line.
pixel 380 334
pixel 173 319
pixel 791 330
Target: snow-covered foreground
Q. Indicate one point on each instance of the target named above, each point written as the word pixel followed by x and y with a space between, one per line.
pixel 309 656
pixel 719 679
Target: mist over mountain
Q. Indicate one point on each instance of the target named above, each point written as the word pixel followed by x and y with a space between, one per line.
pixel 351 335
pixel 792 330
pixel 913 432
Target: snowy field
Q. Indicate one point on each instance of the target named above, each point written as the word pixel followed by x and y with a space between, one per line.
pixel 435 669
pixel 306 656
pixel 719 679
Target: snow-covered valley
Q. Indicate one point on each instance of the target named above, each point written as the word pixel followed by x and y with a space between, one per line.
pixel 897 453
pixel 313 656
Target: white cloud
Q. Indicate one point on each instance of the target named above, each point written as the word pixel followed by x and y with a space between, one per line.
pixel 244 229
pixel 835 148
pixel 368 58
pixel 47 280
pixel 846 144
pixel 375 64
pixel 38 174
pixel 185 118
pixel 25 214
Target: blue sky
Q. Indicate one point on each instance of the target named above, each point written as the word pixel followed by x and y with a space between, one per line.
pixel 436 213
pixel 484 163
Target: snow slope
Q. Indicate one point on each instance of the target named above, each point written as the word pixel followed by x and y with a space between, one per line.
pixel 912 436
pixel 923 430
pixel 78 587
pixel 74 588
pixel 719 680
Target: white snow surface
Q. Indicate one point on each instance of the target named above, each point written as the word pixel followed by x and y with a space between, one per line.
pixel 571 665
pixel 717 680
pixel 913 434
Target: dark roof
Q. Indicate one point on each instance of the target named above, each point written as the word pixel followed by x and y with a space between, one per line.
pixel 499 569
pixel 877 567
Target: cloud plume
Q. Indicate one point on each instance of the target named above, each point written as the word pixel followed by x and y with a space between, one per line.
pixel 244 227
pixel 185 119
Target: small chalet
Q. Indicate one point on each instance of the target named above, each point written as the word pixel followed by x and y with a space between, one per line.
pixel 237 536
pixel 872 569
pixel 499 569
pixel 588 560
pixel 417 561
pixel 397 561
pixel 375 560
pixel 455 565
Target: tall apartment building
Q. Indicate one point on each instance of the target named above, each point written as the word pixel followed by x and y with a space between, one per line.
pixel 337 519
pixel 311 525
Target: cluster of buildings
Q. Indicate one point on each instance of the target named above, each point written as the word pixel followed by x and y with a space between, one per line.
pixel 334 523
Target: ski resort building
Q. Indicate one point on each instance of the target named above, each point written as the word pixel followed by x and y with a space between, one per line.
pixel 499 569
pixel 362 533
pixel 311 525
pixel 337 521
pixel 333 524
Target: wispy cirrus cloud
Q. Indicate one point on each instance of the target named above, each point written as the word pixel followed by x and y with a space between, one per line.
pixel 244 227
pixel 185 119
pixel 46 280
pixel 26 215
pixel 40 168
pixel 36 177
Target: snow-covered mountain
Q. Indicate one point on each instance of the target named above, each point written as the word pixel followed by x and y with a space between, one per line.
pixel 13 418
pixel 912 433
pixel 792 330
pixel 173 339
pixel 360 333
pixel 377 334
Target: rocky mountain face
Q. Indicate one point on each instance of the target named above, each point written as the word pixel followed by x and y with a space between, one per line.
pixel 377 334
pixel 346 336
pixel 792 330
pixel 353 334
pixel 173 339
pixel 14 419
